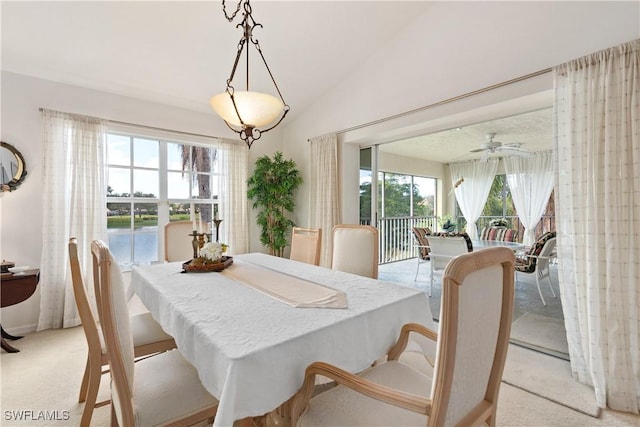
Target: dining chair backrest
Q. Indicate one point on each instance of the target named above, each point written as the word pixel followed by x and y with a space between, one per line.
pixel 443 247
pixel 88 317
pixel 177 242
pixel 475 324
pixel 355 249
pixel 114 319
pixel 305 245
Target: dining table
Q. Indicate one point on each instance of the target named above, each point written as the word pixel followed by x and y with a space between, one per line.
pixel 251 330
pixel 485 244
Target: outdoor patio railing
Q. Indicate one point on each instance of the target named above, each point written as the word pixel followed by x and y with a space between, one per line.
pixel 396 241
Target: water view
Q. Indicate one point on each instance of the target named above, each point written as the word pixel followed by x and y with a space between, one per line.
pixel 145 246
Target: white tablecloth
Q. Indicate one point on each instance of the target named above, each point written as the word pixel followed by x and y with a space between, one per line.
pixel 251 350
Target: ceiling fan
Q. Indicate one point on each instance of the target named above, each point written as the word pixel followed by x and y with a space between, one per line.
pixel 492 146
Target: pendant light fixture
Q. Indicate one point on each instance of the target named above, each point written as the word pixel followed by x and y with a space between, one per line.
pixel 245 112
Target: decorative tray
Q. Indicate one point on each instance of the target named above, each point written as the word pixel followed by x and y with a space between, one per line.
pixel 190 267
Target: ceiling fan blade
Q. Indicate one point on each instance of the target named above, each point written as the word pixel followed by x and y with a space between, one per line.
pixel 477 150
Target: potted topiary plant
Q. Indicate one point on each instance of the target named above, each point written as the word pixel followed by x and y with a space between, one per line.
pixel 271 188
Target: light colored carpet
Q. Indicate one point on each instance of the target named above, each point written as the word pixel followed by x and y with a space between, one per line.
pixel 45 376
pixel 548 377
pixel 542 333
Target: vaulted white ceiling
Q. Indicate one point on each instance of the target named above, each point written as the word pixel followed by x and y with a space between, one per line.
pixel 181 53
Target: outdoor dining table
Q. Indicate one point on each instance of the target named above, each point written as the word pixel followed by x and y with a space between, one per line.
pixel 484 244
pixel 250 333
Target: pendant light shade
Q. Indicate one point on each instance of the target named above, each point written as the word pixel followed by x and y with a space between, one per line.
pixel 256 109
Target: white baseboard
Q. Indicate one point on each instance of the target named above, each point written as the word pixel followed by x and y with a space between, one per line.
pixel 22 330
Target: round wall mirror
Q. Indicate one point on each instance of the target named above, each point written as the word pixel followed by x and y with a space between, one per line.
pixel 12 167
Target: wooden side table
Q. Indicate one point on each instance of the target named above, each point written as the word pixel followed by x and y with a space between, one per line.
pixel 16 288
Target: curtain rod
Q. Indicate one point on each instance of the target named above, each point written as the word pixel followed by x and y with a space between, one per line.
pixel 154 128
pixel 439 103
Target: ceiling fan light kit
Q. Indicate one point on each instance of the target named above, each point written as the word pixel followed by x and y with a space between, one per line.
pixel 247 112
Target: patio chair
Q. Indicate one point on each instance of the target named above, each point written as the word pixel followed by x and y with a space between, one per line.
pixel 355 249
pixel 443 247
pixel 536 261
pixel 473 339
pixel 422 243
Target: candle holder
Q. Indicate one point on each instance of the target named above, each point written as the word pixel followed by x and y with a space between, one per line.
pixel 217 224
pixel 194 243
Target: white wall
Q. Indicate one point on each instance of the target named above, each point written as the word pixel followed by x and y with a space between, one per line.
pixel 453 49
pixel 21 210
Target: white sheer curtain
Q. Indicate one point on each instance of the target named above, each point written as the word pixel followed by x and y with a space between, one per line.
pixel 74 203
pixel 530 180
pixel 473 192
pixel 234 211
pixel 597 113
pixel 325 197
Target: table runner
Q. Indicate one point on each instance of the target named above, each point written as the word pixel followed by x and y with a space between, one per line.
pixel 291 290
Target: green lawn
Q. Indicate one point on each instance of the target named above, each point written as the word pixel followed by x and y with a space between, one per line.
pixel 124 221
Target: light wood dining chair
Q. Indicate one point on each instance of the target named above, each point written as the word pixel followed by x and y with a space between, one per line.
pixel 473 339
pixel 305 245
pixel 355 249
pixel 166 390
pixel 177 243
pixel 148 338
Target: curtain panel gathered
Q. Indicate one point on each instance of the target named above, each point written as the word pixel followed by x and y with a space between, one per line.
pixel 234 210
pixel 74 200
pixel 472 194
pixel 325 197
pixel 530 180
pixel 597 132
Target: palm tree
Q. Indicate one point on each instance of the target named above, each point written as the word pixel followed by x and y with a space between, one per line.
pixel 199 159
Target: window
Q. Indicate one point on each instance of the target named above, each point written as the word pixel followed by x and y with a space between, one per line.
pixel 153 181
pixel 499 204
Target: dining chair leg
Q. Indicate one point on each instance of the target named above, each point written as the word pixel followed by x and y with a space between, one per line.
pixel 85 382
pixel 95 374
pixel 417 269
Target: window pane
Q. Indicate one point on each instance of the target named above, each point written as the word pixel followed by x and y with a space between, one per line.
pixel 365 196
pixel 119 182
pixel 120 246
pixel 118 150
pixel 179 212
pixel 178 185
pixel 424 196
pixel 145 183
pixel 397 195
pixel 174 157
pixel 202 159
pixel 145 246
pixel 203 187
pixel 118 215
pixel 204 215
pixel 146 153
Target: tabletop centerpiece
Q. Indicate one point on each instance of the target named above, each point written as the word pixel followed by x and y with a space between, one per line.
pixel 210 258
